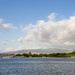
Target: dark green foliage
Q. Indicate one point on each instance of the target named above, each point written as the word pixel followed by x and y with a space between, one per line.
pixel 18 55
pixel 25 55
pixel 47 55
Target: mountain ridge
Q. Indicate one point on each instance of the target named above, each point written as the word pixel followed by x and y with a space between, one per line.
pixel 45 51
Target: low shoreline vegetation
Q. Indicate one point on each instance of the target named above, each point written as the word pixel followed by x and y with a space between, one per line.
pixel 72 54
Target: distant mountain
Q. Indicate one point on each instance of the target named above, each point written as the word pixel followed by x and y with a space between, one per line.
pixel 51 50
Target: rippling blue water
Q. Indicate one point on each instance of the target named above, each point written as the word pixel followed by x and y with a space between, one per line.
pixel 37 66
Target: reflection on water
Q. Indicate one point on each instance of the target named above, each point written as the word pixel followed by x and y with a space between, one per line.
pixel 37 66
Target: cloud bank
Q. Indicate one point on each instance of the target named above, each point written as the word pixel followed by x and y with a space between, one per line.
pixel 51 33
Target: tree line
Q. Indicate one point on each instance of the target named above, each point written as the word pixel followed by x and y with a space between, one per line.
pixel 72 54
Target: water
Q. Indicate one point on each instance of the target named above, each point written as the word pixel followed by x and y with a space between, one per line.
pixel 37 66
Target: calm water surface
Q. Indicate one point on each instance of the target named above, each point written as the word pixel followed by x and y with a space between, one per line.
pixel 37 66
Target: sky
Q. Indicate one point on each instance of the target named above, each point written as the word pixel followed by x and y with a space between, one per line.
pixel 37 24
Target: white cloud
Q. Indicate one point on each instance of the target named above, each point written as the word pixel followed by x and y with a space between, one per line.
pixel 14 49
pixel 52 16
pixel 69 43
pixel 8 49
pixel 21 39
pixel 20 47
pixel 1 20
pixel 28 28
pixel 51 33
pixel 7 26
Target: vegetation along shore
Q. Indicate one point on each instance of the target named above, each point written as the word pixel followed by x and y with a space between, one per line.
pixel 22 55
pixel 72 54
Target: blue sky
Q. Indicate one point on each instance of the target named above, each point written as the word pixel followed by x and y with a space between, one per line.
pixel 20 20
pixel 29 11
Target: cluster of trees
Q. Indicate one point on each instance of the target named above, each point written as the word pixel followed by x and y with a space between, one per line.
pixel 72 54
